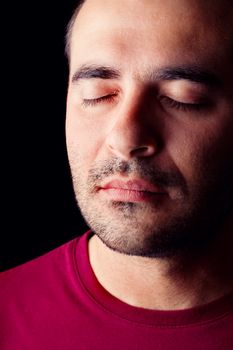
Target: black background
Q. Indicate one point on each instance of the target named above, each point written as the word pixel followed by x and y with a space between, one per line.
pixel 38 209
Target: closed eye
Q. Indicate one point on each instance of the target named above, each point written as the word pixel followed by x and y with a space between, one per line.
pixel 95 101
pixel 170 103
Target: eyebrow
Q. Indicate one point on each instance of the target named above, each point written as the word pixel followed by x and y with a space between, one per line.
pixel 191 73
pixel 93 71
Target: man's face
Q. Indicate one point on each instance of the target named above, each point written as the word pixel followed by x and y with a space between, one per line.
pixel 150 122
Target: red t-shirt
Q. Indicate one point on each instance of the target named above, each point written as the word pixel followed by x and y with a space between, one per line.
pixel 55 302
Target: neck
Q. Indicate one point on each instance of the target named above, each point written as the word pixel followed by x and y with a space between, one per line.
pixel 165 284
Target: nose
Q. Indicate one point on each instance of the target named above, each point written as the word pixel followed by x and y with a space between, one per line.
pixel 133 133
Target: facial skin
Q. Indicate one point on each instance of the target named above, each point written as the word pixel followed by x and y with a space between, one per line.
pixel 150 122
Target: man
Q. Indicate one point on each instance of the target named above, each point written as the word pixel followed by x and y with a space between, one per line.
pixel 150 144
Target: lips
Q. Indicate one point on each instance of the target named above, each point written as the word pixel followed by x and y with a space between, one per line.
pixel 136 190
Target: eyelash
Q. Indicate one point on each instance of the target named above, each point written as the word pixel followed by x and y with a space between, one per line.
pixel 181 105
pixel 95 101
pixel 167 100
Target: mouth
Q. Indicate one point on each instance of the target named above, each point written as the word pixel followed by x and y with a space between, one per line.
pixel 135 190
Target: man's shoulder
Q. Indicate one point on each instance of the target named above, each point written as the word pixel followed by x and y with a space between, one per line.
pixel 36 263
pixel 40 296
pixel 37 274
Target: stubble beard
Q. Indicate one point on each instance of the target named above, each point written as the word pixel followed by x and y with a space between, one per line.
pixel 140 229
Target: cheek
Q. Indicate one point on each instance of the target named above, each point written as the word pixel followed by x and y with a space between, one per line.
pixel 83 139
pixel 201 151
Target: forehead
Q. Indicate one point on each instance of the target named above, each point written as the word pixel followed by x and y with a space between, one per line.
pixel 145 30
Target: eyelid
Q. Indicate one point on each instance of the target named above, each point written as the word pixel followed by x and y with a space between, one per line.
pixel 185 106
pixel 96 88
pixel 96 100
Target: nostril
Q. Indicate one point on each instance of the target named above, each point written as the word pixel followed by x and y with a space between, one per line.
pixel 143 151
pixel 140 149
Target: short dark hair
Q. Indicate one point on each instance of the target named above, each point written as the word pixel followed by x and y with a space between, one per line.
pixel 69 29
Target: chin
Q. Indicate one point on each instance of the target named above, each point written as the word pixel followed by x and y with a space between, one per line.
pixel 153 239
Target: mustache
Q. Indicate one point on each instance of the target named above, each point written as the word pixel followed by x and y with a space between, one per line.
pixel 138 167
